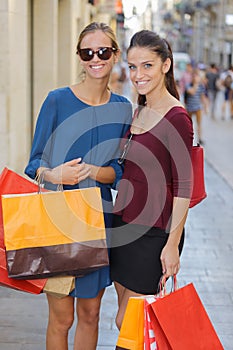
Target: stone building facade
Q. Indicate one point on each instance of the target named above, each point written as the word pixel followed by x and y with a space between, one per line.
pixel 203 28
pixel 37 54
pixel 38 41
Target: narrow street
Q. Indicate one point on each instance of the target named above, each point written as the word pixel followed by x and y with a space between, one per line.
pixel 42 51
pixel 206 261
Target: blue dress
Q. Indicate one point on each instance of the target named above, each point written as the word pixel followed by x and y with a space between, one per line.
pixel 66 129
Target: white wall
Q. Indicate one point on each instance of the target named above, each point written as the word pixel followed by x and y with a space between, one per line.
pixel 14 89
pixel 37 54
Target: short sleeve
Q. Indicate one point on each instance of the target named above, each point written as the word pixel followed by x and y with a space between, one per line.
pixel 180 140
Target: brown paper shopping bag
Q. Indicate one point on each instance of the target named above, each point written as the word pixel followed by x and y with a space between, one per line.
pixel 59 286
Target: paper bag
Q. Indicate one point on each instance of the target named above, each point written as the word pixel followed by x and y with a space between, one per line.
pixel 11 182
pixel 54 233
pixel 60 286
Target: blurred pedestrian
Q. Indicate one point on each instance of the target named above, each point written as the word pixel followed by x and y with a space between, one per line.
pixel 212 77
pixel 185 79
pixel 195 100
pixel 227 83
pixel 201 69
pixel 73 125
pixel 154 193
pixel 117 78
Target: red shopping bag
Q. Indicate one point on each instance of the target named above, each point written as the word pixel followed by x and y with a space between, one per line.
pixel 180 322
pixel 12 183
pixel 199 192
pixel 162 341
pixel 149 335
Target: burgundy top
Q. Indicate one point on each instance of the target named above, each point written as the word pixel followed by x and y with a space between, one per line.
pixel 157 168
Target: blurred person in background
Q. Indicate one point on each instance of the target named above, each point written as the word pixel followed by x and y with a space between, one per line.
pixel 202 69
pixel 212 77
pixel 117 78
pixel 195 101
pixel 185 79
pixel 227 83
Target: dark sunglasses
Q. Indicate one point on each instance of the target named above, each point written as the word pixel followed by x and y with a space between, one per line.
pixel 125 150
pixel 104 53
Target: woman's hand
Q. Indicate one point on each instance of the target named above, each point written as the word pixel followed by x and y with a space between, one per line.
pixel 170 260
pixel 73 172
pixel 69 173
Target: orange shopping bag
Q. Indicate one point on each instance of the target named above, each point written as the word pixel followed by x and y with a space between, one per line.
pixel 131 334
pixel 54 233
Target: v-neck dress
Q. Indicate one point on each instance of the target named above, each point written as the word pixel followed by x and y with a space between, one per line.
pixel 66 129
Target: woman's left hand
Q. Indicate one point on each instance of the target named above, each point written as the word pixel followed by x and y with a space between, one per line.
pixel 170 260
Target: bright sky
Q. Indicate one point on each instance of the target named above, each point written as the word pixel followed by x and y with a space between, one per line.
pixel 129 4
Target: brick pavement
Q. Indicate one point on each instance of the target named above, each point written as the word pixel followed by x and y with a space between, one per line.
pixel 206 261
pixel 207 258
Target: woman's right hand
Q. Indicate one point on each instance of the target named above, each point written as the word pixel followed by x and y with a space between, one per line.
pixel 69 173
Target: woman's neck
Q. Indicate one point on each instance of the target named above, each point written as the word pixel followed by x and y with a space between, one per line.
pixel 158 99
pixel 93 94
pixel 162 101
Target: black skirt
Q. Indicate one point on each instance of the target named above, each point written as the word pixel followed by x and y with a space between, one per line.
pixel 135 262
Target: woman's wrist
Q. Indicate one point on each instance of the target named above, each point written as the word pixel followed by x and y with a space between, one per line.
pixel 44 174
pixel 93 171
pixel 103 174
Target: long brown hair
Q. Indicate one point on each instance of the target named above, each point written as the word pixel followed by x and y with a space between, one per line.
pixel 151 40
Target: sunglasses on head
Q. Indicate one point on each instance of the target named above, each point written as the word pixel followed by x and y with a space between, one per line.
pixel 104 53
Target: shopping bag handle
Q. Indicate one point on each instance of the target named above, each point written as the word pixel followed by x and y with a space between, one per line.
pixel 40 181
pixel 163 287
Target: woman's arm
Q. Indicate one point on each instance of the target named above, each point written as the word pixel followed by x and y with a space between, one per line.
pixel 42 140
pixel 105 174
pixel 180 138
pixel 192 90
pixel 170 254
pixel 69 173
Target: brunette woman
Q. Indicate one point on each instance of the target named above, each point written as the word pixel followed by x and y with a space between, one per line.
pixel 154 193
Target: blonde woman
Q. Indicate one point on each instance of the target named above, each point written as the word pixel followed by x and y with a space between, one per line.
pixel 75 144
